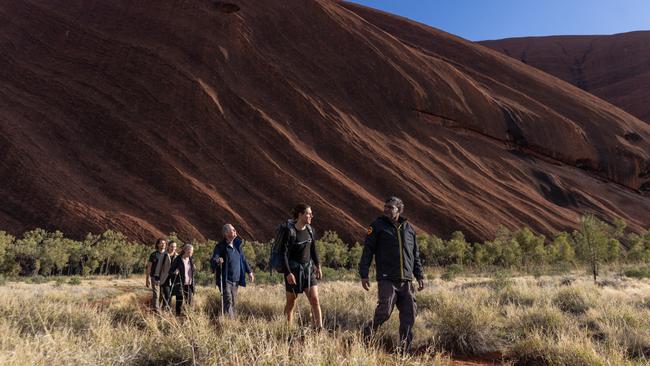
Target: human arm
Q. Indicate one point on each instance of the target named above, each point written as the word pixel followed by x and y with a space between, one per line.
pixel 216 259
pixel 314 257
pixel 417 263
pixel 247 268
pixel 284 249
pixel 147 271
pixel 369 247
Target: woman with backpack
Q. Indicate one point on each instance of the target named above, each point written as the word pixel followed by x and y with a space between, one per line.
pixel 301 265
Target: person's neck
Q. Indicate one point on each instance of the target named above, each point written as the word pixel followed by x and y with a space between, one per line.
pixel 393 220
pixel 300 225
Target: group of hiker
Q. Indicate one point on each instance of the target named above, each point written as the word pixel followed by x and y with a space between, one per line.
pixel 170 274
pixel 390 241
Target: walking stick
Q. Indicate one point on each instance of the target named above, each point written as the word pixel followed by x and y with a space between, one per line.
pixel 171 292
pixel 223 290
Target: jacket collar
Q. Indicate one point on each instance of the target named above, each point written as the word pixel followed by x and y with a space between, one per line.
pixel 385 219
pixel 236 243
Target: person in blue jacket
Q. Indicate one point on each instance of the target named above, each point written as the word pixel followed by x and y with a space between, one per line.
pixel 230 266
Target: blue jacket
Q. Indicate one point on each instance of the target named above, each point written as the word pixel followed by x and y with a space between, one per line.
pixel 220 252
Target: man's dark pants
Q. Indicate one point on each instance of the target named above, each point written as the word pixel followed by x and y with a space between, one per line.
pixel 391 293
pixel 168 292
pixel 229 296
pixel 186 297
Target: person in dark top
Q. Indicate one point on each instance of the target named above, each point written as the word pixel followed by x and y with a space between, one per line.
pixel 156 272
pixel 392 242
pixel 301 264
pixel 183 267
pixel 171 286
pixel 230 266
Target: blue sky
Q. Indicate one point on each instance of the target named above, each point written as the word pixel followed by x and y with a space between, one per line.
pixel 494 19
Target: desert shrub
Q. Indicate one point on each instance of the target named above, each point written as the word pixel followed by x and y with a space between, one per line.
pixel 543 320
pixel 466 328
pixel 537 349
pixel 571 300
pixel 502 279
pixel 515 296
pixel 128 315
pixel 637 272
pixel 204 278
pixel 624 326
pixel 451 272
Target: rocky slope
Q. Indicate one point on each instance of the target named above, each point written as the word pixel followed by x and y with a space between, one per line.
pixel 150 117
pixel 615 68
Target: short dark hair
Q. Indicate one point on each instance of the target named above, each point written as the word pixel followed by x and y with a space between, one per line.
pixel 299 209
pixel 397 202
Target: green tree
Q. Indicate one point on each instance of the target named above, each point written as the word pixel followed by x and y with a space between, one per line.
pixel 532 246
pixel 6 242
pixel 592 242
pixel 511 253
pixel 53 254
pixel 457 248
pixel 639 248
pixel 332 251
pixel 26 252
pixel 561 249
pixel 354 255
pixel 432 249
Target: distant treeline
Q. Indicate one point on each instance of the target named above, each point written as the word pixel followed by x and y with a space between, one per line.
pixel 39 252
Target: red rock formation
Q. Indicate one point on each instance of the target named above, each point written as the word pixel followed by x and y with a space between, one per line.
pixel 615 68
pixel 153 116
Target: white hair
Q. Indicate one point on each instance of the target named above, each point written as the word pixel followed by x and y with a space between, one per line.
pixel 227 227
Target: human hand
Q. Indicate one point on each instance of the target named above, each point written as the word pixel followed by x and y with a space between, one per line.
pixel 365 283
pixel 291 279
pixel 319 273
pixel 420 284
pixel 219 261
pixel 251 276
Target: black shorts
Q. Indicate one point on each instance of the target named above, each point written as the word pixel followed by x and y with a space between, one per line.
pixel 305 278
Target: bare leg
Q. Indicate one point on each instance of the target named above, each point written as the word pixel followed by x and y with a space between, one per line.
pixel 317 316
pixel 290 306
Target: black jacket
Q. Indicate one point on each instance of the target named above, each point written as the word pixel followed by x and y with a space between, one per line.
pixel 180 266
pixel 170 276
pixel 395 249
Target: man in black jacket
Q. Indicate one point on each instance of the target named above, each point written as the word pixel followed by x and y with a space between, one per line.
pixel 391 241
pixel 156 272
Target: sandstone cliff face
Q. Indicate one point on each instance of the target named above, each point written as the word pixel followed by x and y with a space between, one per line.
pixel 150 117
pixel 615 68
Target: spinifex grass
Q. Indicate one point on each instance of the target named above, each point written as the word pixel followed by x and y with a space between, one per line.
pixel 527 320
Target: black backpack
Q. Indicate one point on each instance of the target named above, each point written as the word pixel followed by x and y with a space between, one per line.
pixel 276 261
